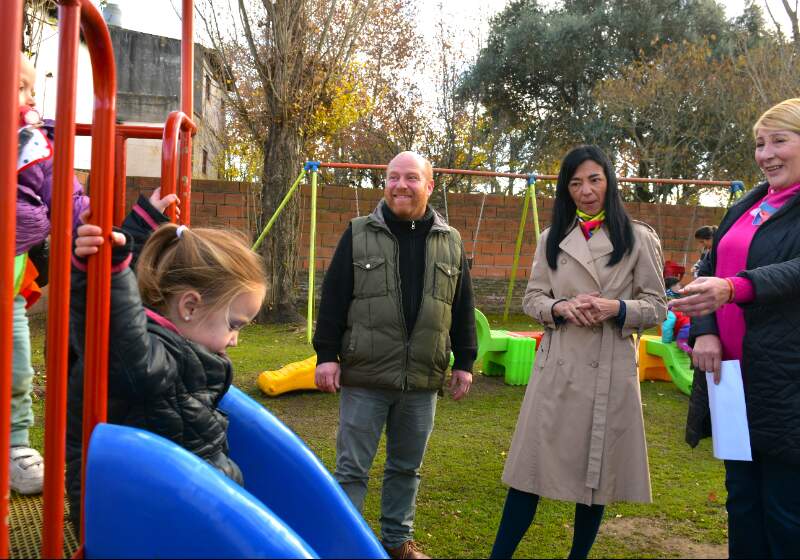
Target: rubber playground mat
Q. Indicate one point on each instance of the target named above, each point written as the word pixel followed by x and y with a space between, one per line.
pixel 25 531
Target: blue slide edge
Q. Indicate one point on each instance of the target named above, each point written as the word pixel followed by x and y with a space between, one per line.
pixel 291 481
pixel 147 497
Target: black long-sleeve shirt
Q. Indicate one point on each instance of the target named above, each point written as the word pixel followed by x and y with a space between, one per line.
pixel 337 292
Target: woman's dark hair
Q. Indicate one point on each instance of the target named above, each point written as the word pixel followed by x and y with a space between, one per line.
pixel 670 281
pixel 705 232
pixel 617 220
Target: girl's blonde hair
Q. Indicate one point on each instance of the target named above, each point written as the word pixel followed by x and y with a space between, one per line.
pixel 216 263
pixel 783 116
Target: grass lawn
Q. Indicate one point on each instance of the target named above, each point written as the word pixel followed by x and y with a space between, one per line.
pixel 461 496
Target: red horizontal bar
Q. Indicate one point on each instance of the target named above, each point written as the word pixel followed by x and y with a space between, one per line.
pixel 482 173
pixel 126 131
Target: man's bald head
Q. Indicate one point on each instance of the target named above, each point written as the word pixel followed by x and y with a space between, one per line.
pixel 423 162
pixel 409 184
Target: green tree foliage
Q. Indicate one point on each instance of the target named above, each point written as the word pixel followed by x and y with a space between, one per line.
pixel 541 64
pixel 389 116
pixel 680 115
pixel 284 61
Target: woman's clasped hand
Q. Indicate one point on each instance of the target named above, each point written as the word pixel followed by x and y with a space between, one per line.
pixel 587 310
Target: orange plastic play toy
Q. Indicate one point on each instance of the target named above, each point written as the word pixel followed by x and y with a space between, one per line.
pixel 651 367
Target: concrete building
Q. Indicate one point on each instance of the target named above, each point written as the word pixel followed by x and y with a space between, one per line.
pixel 148 89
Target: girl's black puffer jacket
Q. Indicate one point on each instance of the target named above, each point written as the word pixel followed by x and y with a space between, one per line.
pixel 159 381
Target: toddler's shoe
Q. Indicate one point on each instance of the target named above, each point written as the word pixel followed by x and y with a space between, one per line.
pixel 27 470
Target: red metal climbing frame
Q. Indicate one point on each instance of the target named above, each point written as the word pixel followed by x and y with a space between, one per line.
pixel 108 207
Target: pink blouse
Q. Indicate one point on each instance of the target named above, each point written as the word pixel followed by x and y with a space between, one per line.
pixel 732 259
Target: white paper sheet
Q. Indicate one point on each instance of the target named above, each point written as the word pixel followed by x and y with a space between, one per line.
pixel 730 433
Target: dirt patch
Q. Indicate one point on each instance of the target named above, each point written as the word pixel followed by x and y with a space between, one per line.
pixel 647 533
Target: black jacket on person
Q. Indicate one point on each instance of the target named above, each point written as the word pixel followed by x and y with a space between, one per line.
pixel 158 380
pixel 337 292
pixel 771 346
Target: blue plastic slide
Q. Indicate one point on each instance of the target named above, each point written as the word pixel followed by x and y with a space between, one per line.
pixel 285 475
pixel 147 497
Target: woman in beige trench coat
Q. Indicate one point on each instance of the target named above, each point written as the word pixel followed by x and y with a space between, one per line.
pixel 596 280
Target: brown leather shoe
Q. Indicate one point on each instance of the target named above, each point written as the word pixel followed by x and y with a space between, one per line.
pixel 408 549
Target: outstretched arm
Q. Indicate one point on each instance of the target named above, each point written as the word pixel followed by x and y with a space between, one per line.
pixel 139 363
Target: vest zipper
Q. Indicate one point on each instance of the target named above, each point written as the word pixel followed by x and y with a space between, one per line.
pixel 400 308
pixel 413 225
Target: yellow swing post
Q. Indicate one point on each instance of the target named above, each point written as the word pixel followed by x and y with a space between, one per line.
pixel 312 166
pixel 530 195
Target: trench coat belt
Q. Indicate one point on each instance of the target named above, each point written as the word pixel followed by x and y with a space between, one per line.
pixel 600 409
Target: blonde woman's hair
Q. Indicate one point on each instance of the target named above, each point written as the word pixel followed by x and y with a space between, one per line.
pixel 783 116
pixel 216 263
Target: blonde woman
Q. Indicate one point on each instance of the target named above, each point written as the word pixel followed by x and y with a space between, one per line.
pixel 746 306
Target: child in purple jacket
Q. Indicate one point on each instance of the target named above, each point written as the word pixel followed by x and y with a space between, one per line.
pixel 34 192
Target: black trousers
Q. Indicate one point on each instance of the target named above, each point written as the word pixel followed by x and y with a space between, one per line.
pixel 763 508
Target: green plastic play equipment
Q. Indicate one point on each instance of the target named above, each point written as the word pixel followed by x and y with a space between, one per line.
pixel 504 353
pixel 676 361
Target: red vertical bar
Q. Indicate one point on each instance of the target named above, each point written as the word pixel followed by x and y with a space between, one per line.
pixel 178 126
pixel 185 188
pixel 58 300
pixel 187 58
pixel 120 175
pixel 187 106
pixel 98 290
pixel 11 24
pixel 169 158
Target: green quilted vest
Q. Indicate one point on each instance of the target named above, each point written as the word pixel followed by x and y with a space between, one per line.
pixel 377 351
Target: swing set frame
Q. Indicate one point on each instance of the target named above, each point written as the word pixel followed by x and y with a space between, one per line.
pixel 529 199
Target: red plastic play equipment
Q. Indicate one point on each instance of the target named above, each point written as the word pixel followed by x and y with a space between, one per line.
pixel 673 269
pixel 108 207
pixel 11 15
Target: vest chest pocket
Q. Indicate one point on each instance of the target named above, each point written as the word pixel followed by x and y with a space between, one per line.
pixel 444 281
pixel 369 277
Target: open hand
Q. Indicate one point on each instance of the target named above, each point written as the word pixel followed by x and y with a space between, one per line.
pixel 702 296
pixel 460 382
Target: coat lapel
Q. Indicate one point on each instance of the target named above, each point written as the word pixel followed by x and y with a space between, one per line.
pixel 600 246
pixel 575 245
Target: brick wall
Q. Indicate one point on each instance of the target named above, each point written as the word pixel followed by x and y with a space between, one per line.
pixel 229 204
pixel 224 204
pixel 494 247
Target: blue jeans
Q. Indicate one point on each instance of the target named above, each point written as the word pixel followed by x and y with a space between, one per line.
pixel 21 409
pixel 763 508
pixel 408 418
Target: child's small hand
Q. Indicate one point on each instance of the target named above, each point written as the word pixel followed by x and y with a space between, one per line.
pixel 161 204
pixel 90 238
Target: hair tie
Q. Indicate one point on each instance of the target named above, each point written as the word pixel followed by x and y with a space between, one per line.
pixel 180 230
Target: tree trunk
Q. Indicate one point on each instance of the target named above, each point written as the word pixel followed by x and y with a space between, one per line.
pixel 282 165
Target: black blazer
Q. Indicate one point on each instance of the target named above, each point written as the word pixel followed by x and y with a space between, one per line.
pixel 771 345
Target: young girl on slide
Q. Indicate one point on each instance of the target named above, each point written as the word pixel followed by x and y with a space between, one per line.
pixel 168 369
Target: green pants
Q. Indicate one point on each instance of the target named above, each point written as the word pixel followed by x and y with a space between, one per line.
pixel 21 409
pixel 408 418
